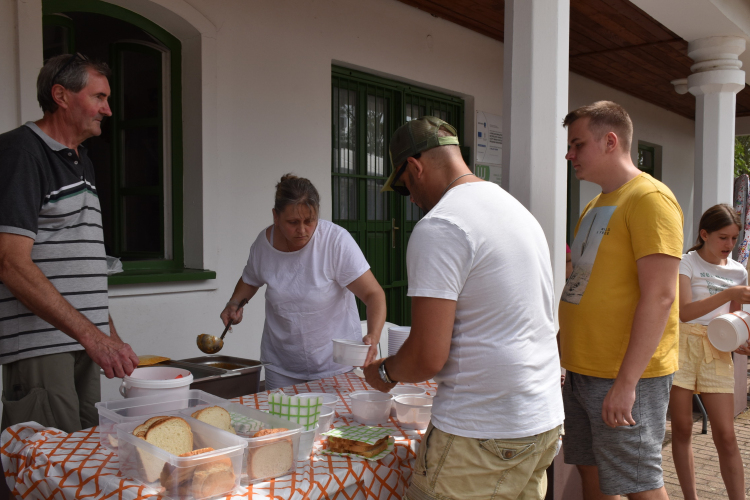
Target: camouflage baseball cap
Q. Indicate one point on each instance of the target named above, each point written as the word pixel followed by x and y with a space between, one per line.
pixel 412 138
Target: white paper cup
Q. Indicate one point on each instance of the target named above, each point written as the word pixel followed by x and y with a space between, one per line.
pixel 729 331
pixel 349 352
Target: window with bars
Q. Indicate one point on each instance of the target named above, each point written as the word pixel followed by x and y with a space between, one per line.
pixel 365 111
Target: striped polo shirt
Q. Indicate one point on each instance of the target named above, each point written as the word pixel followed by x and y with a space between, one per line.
pixel 48 193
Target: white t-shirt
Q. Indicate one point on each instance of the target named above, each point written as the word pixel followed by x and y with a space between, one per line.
pixel 480 247
pixel 307 302
pixel 709 279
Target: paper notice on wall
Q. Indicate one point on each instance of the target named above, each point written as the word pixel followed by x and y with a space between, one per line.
pixel 489 147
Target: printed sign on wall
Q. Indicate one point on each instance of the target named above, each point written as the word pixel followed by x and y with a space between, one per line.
pixel 489 147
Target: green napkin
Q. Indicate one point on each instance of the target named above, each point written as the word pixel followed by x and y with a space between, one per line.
pixel 366 434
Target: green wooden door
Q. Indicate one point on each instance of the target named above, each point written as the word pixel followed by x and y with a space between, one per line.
pixel 365 112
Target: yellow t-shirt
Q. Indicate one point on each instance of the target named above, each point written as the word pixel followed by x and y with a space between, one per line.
pixel 640 218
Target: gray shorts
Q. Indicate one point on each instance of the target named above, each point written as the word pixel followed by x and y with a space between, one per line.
pixel 628 458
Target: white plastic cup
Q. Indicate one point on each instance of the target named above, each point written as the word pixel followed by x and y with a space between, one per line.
pixel 324 421
pixel 729 331
pixel 397 335
pixel 349 352
pixel 413 412
pixel 404 390
pixel 306 443
pixel 155 381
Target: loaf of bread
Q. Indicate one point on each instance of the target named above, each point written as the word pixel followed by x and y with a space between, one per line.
pixel 216 416
pixel 272 458
pixel 341 445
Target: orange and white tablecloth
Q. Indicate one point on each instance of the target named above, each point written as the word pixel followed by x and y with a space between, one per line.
pixel 46 463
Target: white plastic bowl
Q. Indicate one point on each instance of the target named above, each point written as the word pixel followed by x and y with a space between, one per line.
pixel 349 352
pixel 324 422
pixel 371 407
pixel 413 412
pixel 306 443
pixel 729 331
pixel 404 390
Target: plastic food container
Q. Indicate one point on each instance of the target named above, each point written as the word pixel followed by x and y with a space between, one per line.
pixel 139 409
pixel 402 390
pixel 371 407
pixel 265 457
pixel 324 421
pixel 330 400
pixel 153 380
pixel 306 444
pixel 413 412
pixel 196 477
pixel 349 352
pixel 729 331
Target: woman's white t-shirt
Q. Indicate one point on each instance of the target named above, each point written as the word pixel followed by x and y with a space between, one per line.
pixel 307 302
pixel 708 279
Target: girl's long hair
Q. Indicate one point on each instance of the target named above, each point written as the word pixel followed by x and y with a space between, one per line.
pixel 715 218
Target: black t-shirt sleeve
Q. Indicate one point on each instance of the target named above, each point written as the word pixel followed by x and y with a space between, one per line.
pixel 22 191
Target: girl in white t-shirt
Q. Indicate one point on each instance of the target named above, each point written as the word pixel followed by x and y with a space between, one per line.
pixel 711 283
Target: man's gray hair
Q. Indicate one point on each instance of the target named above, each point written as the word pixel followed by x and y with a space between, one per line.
pixel 73 75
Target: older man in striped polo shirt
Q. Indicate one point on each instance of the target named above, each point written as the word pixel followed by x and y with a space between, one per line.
pixel 55 329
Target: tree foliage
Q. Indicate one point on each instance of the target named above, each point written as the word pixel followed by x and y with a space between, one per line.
pixel 741 155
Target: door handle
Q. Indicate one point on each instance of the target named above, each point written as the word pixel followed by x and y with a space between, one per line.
pixel 393 233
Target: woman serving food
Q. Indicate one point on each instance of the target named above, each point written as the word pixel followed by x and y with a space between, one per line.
pixel 313 269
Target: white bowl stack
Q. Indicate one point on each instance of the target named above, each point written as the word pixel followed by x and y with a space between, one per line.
pixel 397 335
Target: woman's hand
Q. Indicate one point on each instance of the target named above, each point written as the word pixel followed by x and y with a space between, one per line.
pixel 372 353
pixel 740 294
pixel 232 311
pixel 744 349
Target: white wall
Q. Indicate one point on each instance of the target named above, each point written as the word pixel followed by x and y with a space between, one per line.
pixel 653 124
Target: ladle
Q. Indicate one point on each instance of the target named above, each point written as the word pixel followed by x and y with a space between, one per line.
pixel 211 344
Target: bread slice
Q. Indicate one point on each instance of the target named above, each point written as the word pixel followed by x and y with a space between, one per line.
pixel 270 460
pixel 213 478
pixel 140 431
pixel 173 477
pixel 216 416
pixel 171 434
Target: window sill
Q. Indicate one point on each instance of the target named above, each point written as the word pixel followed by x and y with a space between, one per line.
pixel 138 276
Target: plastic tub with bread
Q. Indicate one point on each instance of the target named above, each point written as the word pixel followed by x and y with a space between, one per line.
pixel 272 442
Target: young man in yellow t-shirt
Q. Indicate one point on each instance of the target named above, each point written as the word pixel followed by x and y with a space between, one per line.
pixel 618 313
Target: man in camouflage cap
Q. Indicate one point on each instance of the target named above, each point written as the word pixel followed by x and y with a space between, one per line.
pixel 480 280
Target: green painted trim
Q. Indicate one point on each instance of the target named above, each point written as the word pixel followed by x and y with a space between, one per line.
pixel 174 45
pixel 359 75
pixel 160 276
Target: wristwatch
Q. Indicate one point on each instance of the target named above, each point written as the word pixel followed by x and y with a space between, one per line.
pixel 384 374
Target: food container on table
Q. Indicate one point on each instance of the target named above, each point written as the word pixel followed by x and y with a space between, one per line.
pixel 349 352
pixel 324 421
pixel 306 444
pixel 330 400
pixel 397 335
pixel 140 409
pixel 156 380
pixel 413 412
pixel 154 467
pixel 371 407
pixel 402 390
pixel 265 457
pixel 729 331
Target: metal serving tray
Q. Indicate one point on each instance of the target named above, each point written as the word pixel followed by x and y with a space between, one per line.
pixel 224 376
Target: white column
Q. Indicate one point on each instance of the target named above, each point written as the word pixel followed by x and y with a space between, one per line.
pixel 535 101
pixel 715 81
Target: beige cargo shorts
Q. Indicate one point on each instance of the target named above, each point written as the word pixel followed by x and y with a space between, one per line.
pixel 455 467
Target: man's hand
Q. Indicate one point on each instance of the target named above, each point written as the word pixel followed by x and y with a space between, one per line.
pixel 618 405
pixel 372 353
pixel 115 357
pixel 372 376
